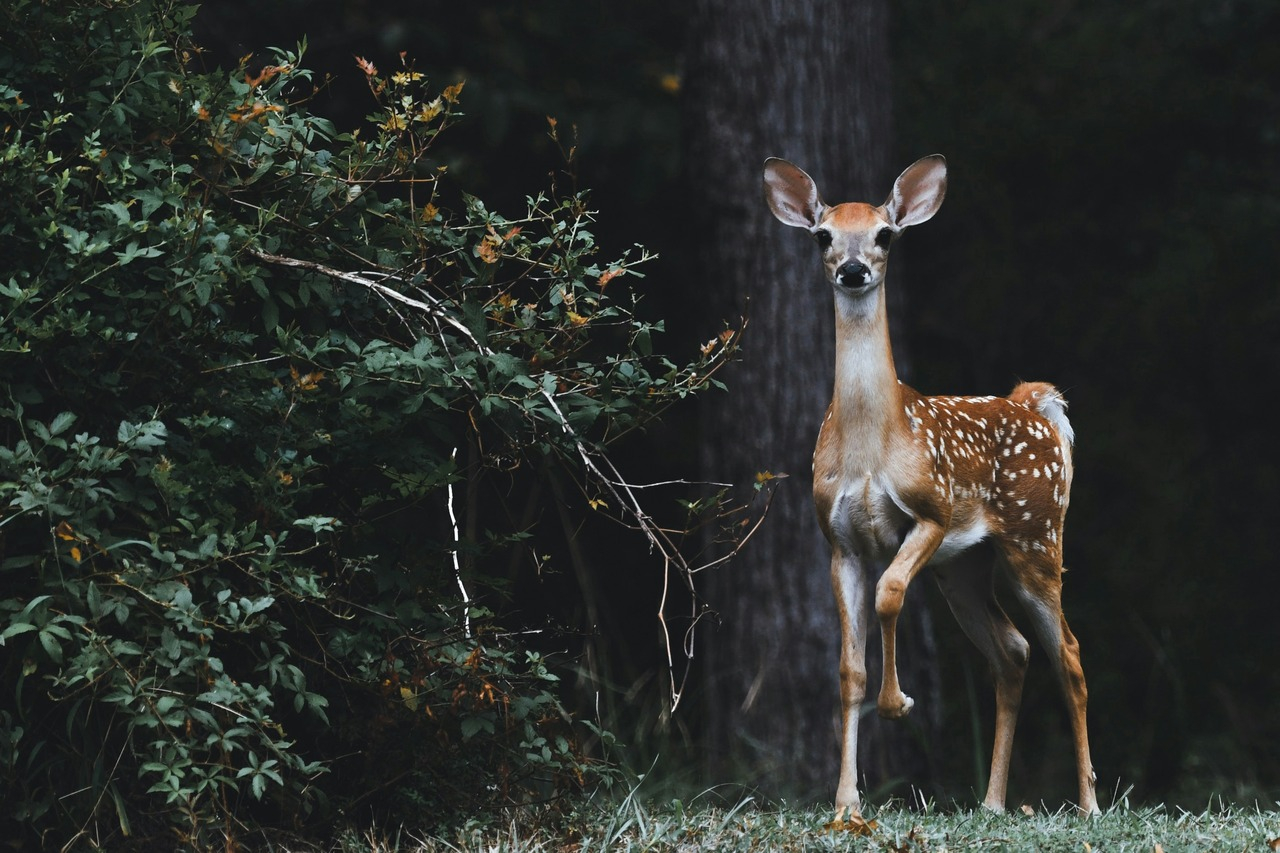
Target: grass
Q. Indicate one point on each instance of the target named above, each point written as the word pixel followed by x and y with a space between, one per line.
pixel 634 825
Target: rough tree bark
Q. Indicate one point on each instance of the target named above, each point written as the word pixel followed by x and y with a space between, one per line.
pixel 807 80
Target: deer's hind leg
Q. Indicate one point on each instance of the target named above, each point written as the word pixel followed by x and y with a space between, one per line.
pixel 968 585
pixel 1036 577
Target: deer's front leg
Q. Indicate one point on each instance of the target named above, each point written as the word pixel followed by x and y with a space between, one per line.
pixel 919 545
pixel 848 579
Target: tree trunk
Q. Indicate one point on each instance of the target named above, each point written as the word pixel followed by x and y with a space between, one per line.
pixel 807 80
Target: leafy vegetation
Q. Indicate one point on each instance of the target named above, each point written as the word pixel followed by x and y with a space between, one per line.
pixel 272 394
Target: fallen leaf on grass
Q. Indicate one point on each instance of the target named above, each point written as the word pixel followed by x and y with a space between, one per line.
pixel 1274 843
pixel 853 824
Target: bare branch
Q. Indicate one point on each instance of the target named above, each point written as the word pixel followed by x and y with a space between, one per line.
pixel 598 466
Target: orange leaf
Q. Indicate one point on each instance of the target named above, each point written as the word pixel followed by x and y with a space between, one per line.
pixel 75 553
pixel 264 76
pixel 65 532
pixel 854 824
pixel 366 66
pixel 608 276
pixel 451 93
pixel 306 381
pixel 487 251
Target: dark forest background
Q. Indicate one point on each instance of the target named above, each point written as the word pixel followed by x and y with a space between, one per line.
pixel 1110 226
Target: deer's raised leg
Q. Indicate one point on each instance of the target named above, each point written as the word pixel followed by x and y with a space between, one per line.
pixel 848 581
pixel 1038 583
pixel 918 546
pixel 969 591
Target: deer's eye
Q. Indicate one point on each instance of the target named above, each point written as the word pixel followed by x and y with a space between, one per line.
pixel 884 238
pixel 823 237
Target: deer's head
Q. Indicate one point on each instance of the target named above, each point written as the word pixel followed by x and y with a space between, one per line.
pixel 855 237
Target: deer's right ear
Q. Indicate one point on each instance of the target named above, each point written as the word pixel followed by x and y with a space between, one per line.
pixel 792 194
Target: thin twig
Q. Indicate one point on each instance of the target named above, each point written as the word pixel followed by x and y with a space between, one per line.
pixel 597 465
pixel 457 566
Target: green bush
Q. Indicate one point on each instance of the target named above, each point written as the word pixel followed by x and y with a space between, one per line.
pixel 254 372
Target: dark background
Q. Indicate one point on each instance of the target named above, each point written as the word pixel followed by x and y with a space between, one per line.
pixel 1111 226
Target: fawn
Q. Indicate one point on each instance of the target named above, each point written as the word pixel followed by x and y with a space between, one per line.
pixel 901 481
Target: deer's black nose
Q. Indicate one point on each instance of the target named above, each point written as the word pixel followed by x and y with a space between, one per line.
pixel 852 274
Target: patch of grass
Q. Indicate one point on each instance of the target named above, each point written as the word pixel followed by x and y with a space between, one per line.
pixel 746 825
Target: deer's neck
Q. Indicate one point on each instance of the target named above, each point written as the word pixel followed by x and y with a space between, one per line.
pixel 867 399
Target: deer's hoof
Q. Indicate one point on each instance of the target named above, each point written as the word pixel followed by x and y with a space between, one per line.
pixel 895 707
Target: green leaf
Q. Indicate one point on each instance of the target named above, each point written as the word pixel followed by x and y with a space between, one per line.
pixel 51 646
pixel 142 436
pixel 15 629
pixel 61 423
pixel 474 725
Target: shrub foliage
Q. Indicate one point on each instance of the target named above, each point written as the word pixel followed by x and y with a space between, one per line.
pixel 255 373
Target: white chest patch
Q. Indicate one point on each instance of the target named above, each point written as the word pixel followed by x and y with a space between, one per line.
pixel 865 516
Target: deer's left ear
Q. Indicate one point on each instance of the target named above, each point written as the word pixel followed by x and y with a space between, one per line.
pixel 918 192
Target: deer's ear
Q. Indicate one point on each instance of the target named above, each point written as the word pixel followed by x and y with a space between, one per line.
pixel 792 195
pixel 918 192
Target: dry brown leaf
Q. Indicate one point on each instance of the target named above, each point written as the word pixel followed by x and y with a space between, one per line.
pixel 854 824
pixel 487 250
pixel 451 93
pixel 607 276
pixel 1027 810
pixel 1274 843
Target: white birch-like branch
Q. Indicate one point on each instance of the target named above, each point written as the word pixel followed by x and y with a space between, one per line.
pixel 598 466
